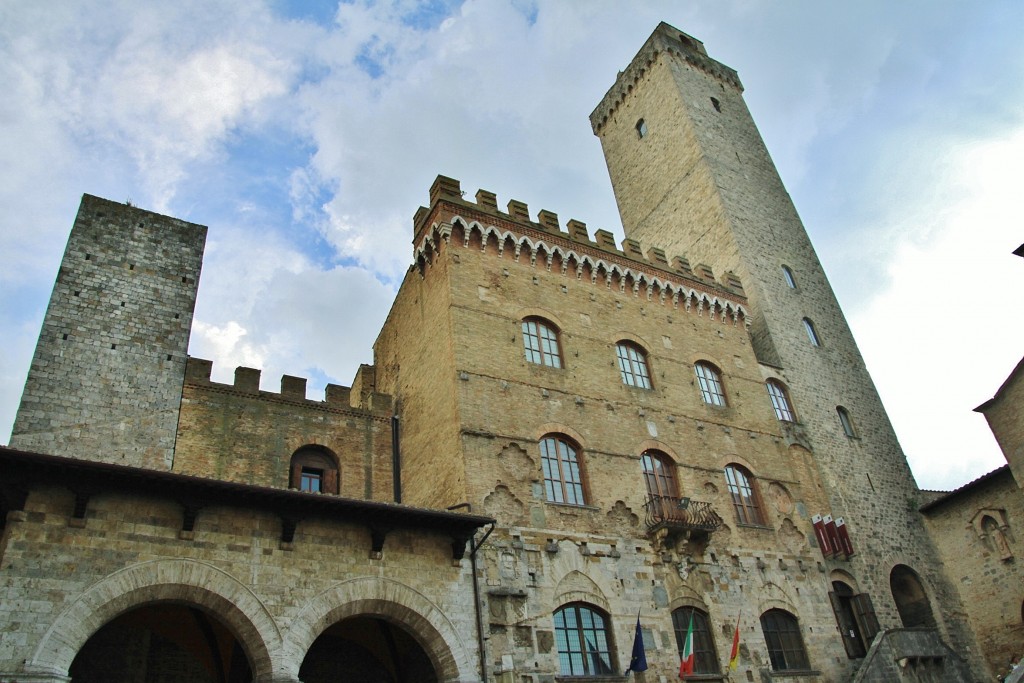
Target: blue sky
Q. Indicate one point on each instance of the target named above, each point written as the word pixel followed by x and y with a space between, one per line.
pixel 306 134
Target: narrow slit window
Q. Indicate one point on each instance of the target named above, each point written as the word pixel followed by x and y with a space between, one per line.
pixel 846 422
pixel 787 274
pixel 641 128
pixel 812 333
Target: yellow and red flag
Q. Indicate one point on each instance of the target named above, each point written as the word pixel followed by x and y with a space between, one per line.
pixel 734 656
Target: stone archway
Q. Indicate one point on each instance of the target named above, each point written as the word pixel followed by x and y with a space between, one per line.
pixel 163 642
pixel 160 581
pixel 369 649
pixel 911 600
pixel 378 599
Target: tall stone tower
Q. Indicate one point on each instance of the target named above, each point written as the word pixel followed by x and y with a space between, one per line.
pixel 691 175
pixel 105 381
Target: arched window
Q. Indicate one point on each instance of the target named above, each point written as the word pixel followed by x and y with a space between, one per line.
pixel 633 365
pixel 583 641
pixel 641 128
pixel 744 496
pixel 846 422
pixel 710 381
pixel 659 474
pixel 705 659
pixel 314 470
pixel 785 644
pixel 540 342
pixel 780 401
pixel 660 481
pixel 787 275
pixel 812 333
pixel 563 478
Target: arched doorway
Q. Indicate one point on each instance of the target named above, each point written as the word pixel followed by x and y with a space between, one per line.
pixel 366 649
pixel 911 600
pixel 855 617
pixel 162 642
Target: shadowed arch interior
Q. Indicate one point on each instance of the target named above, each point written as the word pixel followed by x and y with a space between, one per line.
pixel 162 642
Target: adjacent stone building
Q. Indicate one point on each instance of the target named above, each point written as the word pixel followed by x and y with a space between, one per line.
pixel 560 438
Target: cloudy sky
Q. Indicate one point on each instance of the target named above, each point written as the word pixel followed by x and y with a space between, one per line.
pixel 306 134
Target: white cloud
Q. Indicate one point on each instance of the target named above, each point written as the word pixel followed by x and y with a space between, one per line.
pixel 185 106
pixel 944 335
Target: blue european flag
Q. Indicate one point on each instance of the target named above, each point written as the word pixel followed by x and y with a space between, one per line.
pixel 638 662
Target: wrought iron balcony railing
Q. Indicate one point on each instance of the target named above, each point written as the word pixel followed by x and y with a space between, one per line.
pixel 680 514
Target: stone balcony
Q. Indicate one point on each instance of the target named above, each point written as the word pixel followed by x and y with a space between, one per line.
pixel 672 517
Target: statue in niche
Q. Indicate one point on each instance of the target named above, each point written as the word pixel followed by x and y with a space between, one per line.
pixel 997 537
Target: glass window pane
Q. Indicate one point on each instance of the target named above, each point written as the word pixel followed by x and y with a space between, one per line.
pixel 633 366
pixel 582 641
pixel 788 275
pixel 563 478
pixel 779 402
pixel 710 383
pixel 812 334
pixel 540 343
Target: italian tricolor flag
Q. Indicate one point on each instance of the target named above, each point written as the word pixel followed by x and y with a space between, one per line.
pixel 686 665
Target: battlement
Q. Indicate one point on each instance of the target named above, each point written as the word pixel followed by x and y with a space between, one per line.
pixel 545 238
pixel 669 40
pixel 361 396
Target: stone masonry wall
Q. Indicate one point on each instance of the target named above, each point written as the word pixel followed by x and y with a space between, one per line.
pixel 105 380
pixel 63 581
pixel 987 570
pixel 413 354
pixel 544 554
pixel 1006 420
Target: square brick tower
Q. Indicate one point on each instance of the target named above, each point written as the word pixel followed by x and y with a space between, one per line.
pixel 105 381
pixel 691 175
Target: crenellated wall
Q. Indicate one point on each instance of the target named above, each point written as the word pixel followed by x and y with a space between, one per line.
pixel 238 432
pixel 452 348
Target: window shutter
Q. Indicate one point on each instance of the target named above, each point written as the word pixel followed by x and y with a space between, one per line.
pixel 819 533
pixel 331 481
pixel 833 534
pixel 296 474
pixel 864 612
pixel 854 648
pixel 845 544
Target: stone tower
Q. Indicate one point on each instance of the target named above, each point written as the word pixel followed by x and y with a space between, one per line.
pixel 105 381
pixel 691 175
